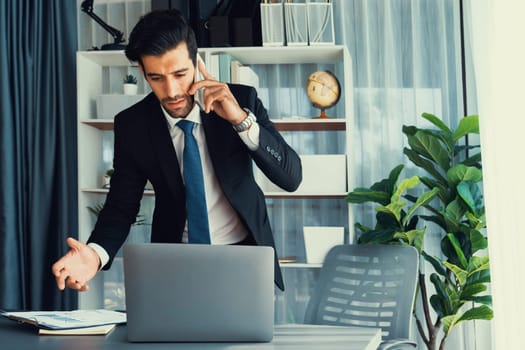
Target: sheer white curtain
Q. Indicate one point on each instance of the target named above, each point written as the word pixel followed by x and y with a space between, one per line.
pixel 499 56
pixel 407 60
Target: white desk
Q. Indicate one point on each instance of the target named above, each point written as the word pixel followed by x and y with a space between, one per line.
pixel 286 337
pixel 311 337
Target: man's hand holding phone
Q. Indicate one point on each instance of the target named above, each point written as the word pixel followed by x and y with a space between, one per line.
pixel 213 95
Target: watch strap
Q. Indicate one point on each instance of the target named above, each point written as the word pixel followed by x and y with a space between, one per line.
pixel 246 123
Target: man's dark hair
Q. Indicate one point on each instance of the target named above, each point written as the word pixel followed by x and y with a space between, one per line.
pixel 160 31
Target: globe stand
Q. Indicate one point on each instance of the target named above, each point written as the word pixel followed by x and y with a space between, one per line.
pixel 322 115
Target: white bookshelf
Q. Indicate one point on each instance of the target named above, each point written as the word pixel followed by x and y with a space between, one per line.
pixel 100 72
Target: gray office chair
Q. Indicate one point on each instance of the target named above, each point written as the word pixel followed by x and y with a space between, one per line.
pixel 368 286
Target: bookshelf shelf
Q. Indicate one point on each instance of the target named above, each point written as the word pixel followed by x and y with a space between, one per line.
pixel 280 124
pixel 276 195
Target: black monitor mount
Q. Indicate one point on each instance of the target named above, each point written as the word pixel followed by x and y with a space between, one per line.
pixel 87 7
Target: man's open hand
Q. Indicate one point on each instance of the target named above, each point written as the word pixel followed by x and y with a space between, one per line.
pixel 77 267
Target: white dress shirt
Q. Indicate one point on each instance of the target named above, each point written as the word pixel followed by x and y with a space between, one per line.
pixel 225 225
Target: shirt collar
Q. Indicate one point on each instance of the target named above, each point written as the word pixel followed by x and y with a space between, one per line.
pixel 194 116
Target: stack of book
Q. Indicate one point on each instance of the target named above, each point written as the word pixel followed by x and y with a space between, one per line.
pixel 228 69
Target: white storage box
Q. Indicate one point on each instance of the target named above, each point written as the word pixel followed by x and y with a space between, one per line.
pixel 322 174
pixel 110 105
pixel 318 240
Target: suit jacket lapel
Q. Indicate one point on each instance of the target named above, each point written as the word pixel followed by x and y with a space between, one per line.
pixel 163 145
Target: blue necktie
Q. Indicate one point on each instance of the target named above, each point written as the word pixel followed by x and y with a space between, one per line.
pixel 198 228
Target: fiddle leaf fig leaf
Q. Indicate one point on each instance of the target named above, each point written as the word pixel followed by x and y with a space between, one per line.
pixel 422 200
pixel 471 195
pixel 480 276
pixel 448 323
pixel 472 290
pixel 362 227
pixel 437 122
pixel 435 263
pixel 477 241
pixel 459 273
pixel 429 147
pixel 473 160
pixel 412 237
pixel 437 305
pixel 454 213
pixel 363 195
pixel 405 185
pixel 467 125
pixel 380 192
pixel 389 184
pixel 396 205
pixel 482 312
pixel 377 236
pixel 448 296
pixel 475 221
pixel 478 263
pixel 425 164
pixel 461 172
pixel 480 299
pixel 465 193
pixel 457 248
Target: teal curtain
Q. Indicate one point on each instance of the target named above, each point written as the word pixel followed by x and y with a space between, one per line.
pixel 38 200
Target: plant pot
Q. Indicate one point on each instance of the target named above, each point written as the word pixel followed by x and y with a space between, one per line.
pixel 130 89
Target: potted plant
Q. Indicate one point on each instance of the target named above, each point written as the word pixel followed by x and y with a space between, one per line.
pixel 452 199
pixel 107 178
pixel 130 85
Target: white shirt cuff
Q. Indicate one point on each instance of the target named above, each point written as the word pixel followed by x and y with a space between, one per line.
pixel 101 252
pixel 251 136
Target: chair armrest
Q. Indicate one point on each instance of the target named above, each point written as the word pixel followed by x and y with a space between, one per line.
pixel 397 344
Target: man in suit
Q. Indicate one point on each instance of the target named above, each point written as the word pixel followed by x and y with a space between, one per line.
pixel 232 129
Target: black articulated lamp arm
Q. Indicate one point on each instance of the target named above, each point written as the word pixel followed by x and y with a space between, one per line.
pixel 87 7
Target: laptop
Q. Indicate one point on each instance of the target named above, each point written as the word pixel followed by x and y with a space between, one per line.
pixel 199 293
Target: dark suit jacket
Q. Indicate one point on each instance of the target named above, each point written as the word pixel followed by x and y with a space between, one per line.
pixel 144 151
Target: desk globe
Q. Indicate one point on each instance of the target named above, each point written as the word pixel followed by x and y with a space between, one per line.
pixel 323 91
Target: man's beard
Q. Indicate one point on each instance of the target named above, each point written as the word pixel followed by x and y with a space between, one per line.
pixel 179 112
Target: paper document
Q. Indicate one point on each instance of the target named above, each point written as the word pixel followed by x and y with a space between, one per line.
pixel 68 319
pixel 96 330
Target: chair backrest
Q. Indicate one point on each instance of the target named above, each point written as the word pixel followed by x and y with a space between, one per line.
pixel 367 286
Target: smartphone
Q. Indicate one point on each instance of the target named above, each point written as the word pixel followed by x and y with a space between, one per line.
pixel 199 94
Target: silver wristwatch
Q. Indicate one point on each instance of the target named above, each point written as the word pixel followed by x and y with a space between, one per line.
pixel 246 123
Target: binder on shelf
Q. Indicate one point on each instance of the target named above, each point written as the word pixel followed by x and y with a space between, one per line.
pixel 320 23
pixel 245 75
pixel 272 24
pixel 212 65
pixel 225 60
pixel 296 23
